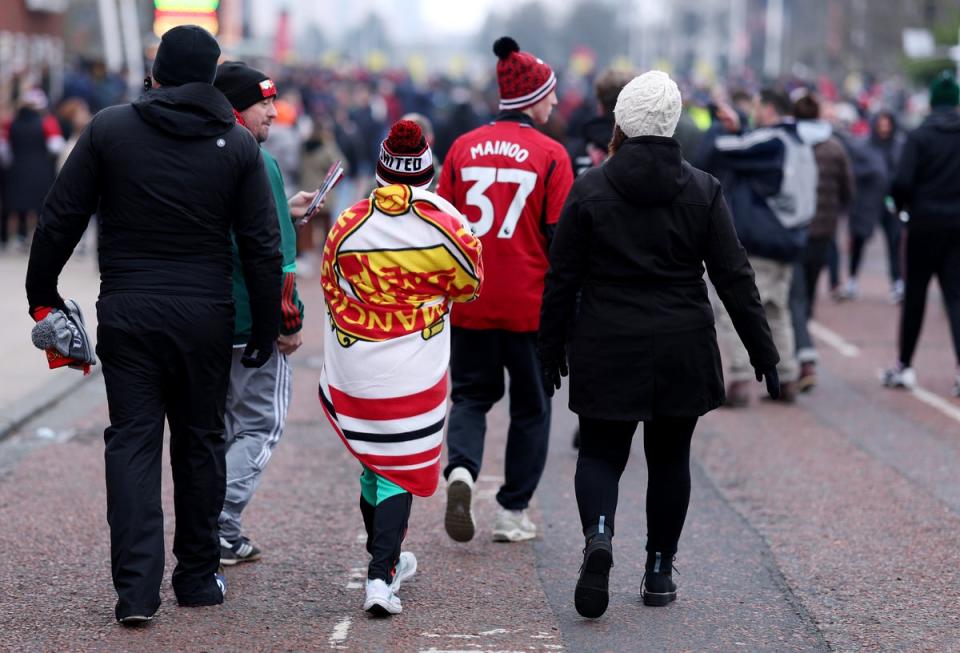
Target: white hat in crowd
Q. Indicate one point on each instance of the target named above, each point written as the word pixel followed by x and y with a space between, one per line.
pixel 649 105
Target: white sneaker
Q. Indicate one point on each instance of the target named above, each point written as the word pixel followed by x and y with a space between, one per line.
pixel 458 520
pixel 406 568
pixel 897 377
pixel 896 292
pixel 380 600
pixel 513 526
pixel 852 289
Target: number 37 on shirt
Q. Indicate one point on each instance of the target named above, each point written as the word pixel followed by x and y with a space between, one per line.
pixel 484 177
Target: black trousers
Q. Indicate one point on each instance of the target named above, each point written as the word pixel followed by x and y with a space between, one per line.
pixel 604 451
pixel 5 218
pixel 386 526
pixel 893 234
pixel 164 357
pixel 477 363
pixel 929 253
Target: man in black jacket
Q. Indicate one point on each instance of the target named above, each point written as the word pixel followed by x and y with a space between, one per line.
pixel 926 186
pixel 169 176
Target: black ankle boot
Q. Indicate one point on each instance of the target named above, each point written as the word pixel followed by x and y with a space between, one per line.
pixel 592 595
pixel 658 587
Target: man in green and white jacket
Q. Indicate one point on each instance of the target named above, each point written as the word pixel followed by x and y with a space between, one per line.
pixel 258 398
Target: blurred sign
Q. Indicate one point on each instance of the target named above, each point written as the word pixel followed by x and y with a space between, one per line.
pixel 171 13
pixel 52 6
pixel 918 43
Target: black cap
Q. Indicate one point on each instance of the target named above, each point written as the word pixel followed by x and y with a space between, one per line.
pixel 187 53
pixel 244 86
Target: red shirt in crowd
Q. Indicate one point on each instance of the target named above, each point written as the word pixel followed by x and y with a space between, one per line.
pixel 510 181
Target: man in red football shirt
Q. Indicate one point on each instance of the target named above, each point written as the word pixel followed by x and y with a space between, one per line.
pixel 510 181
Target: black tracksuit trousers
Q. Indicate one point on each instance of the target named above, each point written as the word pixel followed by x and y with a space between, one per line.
pixel 477 361
pixel 164 356
pixel 930 252
pixel 604 451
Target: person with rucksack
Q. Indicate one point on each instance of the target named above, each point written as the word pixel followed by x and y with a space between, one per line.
pixel 769 176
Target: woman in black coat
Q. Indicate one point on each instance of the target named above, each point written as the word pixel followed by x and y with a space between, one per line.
pixel 625 291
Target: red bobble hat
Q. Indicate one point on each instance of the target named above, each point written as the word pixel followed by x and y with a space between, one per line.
pixel 523 79
pixel 405 157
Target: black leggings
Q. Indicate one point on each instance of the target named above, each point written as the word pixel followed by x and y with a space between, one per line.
pixel 930 253
pixel 604 450
pixel 386 526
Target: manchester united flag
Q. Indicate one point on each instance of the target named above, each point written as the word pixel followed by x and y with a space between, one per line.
pixel 393 265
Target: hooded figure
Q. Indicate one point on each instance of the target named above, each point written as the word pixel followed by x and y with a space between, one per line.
pixel 632 243
pixel 925 185
pixel 170 176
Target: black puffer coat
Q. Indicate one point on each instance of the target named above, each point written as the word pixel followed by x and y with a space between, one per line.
pixel 632 242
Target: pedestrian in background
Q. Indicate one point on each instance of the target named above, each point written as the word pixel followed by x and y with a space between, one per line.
pixel 393 265
pixel 76 113
pixel 170 176
pixel 835 189
pixel 887 139
pixel 510 181
pixel 926 186
pixel 320 151
pixel 257 397
pixel 589 148
pixel 770 178
pixel 632 243
pixel 35 140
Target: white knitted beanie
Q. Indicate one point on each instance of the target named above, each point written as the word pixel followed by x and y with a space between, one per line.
pixel 649 105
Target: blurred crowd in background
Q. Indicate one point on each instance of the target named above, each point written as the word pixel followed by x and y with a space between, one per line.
pixel 327 114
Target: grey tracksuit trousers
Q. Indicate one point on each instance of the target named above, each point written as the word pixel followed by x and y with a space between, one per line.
pixel 257 402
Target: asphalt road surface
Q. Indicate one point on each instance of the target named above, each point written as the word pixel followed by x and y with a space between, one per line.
pixel 832 524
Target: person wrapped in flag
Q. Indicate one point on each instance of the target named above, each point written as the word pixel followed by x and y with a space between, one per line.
pixel 393 265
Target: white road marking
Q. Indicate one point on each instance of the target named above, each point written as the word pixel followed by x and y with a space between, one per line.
pixel 356 578
pixel 938 402
pixel 833 339
pixel 445 650
pixel 837 341
pixel 495 631
pixel 340 631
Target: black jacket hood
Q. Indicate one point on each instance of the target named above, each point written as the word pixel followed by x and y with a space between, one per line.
pixel 193 110
pixel 945 120
pixel 647 170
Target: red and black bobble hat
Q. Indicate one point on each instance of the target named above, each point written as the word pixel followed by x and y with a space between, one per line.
pixel 523 79
pixel 405 157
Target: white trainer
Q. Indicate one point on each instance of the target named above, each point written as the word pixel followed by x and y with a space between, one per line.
pixel 897 377
pixel 458 520
pixel 513 526
pixel 380 600
pixel 406 568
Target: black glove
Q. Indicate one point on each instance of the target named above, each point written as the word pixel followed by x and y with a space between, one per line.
pixel 773 381
pixel 553 366
pixel 256 354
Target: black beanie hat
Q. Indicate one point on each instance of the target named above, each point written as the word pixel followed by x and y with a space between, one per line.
pixel 187 53
pixel 244 86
